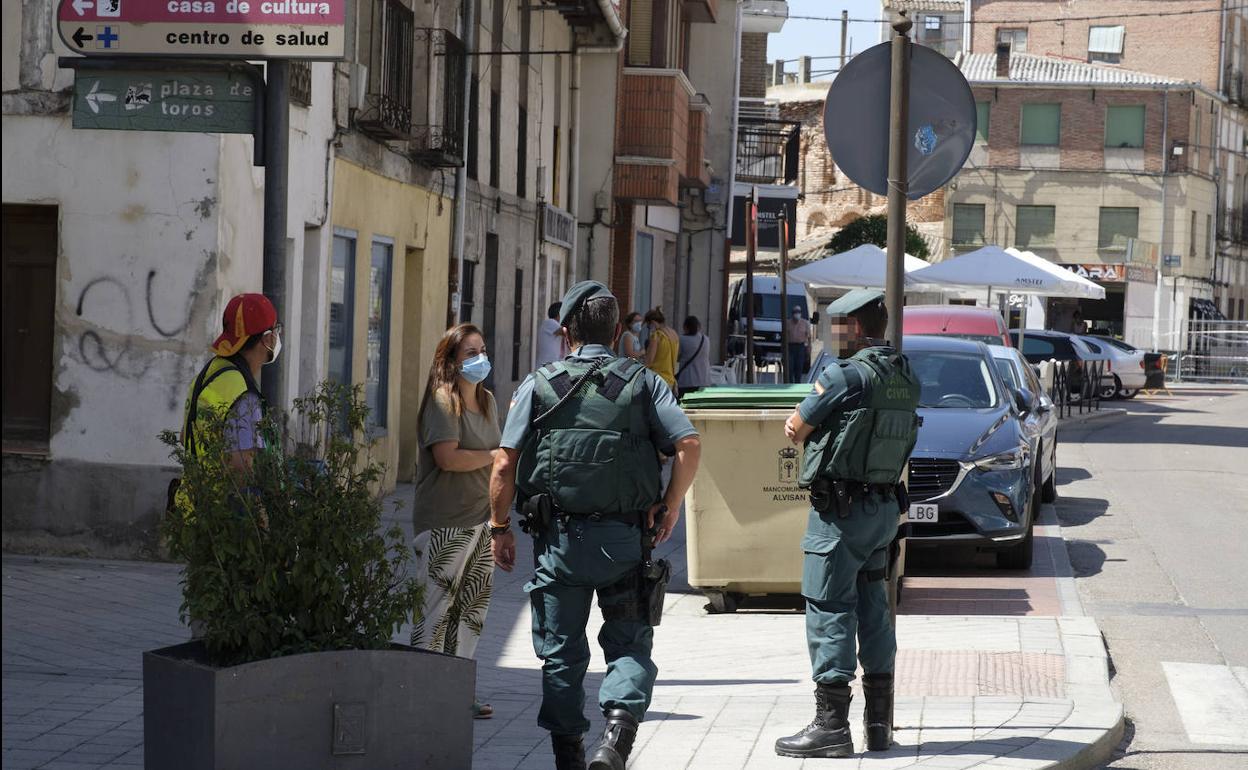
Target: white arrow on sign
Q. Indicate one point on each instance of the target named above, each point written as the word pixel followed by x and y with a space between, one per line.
pixel 81 6
pixel 95 96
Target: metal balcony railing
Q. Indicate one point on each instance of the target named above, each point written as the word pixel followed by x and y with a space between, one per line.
pixel 768 152
pixel 389 30
pixel 438 112
pixel 301 82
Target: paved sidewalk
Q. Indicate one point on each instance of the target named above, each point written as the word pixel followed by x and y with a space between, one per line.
pixel 1021 691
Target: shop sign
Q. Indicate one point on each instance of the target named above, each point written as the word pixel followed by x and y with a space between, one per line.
pixel 1099 272
pixel 236 29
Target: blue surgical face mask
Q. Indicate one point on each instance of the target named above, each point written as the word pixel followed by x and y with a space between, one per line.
pixel 475 369
pixel 636 327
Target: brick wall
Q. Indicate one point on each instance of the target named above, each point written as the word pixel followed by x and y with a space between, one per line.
pixel 1082 126
pixel 754 65
pixel 1150 43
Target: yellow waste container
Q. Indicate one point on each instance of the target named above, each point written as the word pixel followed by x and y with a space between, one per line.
pixel 745 516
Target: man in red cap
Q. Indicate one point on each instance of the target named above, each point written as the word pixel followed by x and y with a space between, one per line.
pixel 251 337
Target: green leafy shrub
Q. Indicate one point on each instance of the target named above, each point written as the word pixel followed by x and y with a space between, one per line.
pixel 874 229
pixel 287 556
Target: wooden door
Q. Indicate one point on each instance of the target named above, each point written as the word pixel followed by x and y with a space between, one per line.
pixel 30 246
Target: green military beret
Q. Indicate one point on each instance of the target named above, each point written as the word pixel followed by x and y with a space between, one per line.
pixel 577 295
pixel 854 301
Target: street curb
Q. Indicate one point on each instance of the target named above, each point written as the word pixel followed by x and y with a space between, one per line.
pixel 1087 685
pixel 1048 525
pixel 1077 419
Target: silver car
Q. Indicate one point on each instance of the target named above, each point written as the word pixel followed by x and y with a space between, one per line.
pixel 1040 423
pixel 1126 365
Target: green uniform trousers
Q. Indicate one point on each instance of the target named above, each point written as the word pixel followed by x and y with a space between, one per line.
pixel 843 607
pixel 571 561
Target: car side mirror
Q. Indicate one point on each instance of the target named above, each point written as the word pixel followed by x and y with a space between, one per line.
pixel 1025 400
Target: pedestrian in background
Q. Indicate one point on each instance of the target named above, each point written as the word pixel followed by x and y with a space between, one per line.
pixel 593 521
pixel 799 344
pixel 663 349
pixel 459 435
pixel 550 343
pixel 854 510
pixel 695 358
pixel 630 339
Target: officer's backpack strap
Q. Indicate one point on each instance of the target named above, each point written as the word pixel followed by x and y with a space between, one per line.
pixel 619 373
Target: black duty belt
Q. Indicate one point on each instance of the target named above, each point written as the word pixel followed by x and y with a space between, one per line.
pixel 627 518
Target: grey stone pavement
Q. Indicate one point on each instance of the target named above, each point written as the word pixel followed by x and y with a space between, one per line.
pixel 988 691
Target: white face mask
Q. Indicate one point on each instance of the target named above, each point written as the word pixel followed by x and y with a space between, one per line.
pixel 275 350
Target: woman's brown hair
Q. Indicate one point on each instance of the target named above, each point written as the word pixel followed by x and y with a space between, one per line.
pixel 655 315
pixel 444 371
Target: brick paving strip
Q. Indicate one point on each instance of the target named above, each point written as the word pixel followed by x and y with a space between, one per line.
pixel 988 691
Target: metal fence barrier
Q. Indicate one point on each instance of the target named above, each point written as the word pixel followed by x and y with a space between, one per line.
pixel 1076 386
pixel 1215 351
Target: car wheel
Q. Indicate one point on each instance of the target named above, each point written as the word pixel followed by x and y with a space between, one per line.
pixel 1128 392
pixel 1110 391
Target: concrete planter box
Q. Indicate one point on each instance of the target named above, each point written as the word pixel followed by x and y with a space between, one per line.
pixel 366 709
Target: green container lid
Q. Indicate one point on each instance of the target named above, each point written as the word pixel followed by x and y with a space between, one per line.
pixel 747 397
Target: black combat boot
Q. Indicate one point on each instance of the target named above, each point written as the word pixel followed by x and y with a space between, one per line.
pixel 877 714
pixel 569 752
pixel 828 735
pixel 617 741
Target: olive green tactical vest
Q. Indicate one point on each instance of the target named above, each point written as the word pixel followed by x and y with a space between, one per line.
pixel 869 444
pixel 593 453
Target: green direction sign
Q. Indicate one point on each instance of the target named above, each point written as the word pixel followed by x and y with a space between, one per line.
pixel 201 101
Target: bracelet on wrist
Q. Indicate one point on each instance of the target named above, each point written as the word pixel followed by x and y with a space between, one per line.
pixel 500 529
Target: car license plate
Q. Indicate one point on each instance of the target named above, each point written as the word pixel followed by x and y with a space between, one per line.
pixel 923 512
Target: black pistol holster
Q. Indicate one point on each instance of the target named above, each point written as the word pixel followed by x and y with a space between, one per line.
pixel 645 588
pixel 830 496
pixel 539 514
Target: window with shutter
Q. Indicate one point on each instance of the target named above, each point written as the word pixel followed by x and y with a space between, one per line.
pixel 1116 226
pixel 1041 124
pixel 968 223
pixel 640 32
pixel 982 113
pixel 1124 126
pixel 1035 226
pixel 1105 44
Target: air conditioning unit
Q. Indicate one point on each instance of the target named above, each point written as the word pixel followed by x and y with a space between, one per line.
pixel 437 106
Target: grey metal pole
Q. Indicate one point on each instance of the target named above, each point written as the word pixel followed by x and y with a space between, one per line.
pixel 844 34
pixel 782 224
pixel 898 184
pixel 276 178
pixel 461 173
pixel 751 245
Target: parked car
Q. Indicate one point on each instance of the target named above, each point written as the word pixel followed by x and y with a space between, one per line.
pixel 1040 423
pixel 1048 345
pixel 972 476
pixel 980 324
pixel 1128 370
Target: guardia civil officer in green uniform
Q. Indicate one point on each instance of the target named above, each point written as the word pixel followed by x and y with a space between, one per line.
pixel 859 427
pixel 581 457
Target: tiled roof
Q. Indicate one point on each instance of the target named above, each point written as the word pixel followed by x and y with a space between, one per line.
pixel 947 6
pixel 1025 68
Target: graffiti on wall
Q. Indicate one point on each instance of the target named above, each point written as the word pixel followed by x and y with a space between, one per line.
pixel 153 319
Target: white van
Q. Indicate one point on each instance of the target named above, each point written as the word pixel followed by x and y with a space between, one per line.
pixel 767 315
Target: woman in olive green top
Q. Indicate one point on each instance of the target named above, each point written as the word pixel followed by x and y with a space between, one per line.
pixel 459 433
